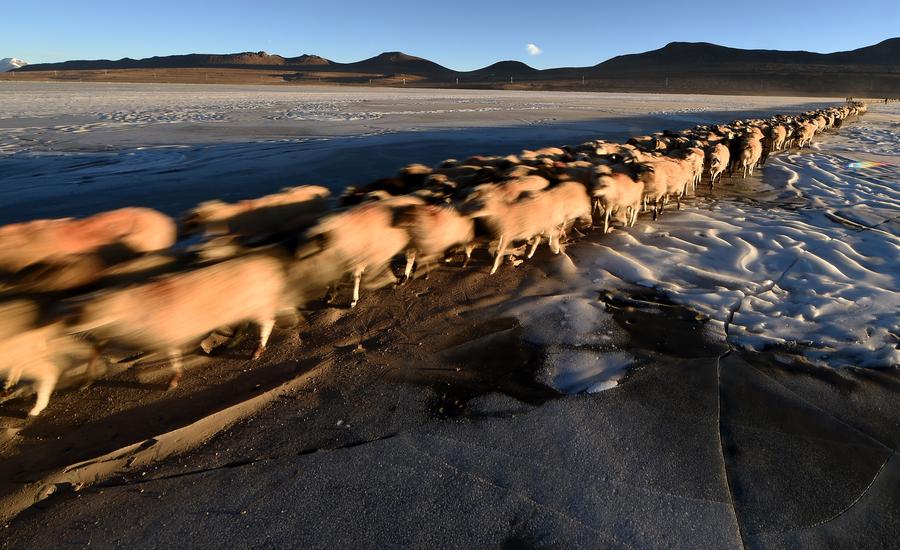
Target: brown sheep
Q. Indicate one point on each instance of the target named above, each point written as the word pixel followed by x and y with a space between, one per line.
pixel 617 191
pixel 805 134
pixel 432 231
pixel 291 209
pixel 719 157
pixel 364 237
pixel 137 230
pixel 31 350
pixel 750 153
pixel 546 213
pixel 168 313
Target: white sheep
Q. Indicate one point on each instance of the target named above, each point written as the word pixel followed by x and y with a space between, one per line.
pixel 614 191
pixel 432 231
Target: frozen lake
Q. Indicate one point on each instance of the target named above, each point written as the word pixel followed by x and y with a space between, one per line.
pixel 75 149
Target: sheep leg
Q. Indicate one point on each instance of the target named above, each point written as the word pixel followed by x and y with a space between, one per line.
pixel 534 245
pixel 92 373
pixel 555 245
pixel 44 387
pixel 410 261
pixel 606 221
pixel 12 378
pixel 331 295
pixel 175 365
pixel 430 265
pixel 498 255
pixel 468 248
pixel 357 277
pixel 265 330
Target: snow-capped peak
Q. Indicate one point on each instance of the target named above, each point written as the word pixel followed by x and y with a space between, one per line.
pixel 10 63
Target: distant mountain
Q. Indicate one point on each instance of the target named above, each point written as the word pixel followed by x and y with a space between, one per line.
pixel 703 54
pixel 690 67
pixel 10 63
pixel 399 63
pixel 194 60
pixel 504 70
pixel 307 60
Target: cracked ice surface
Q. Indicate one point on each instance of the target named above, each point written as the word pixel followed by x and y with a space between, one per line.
pixel 820 277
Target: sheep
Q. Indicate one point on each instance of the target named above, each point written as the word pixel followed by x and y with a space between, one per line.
pixel 681 173
pixel 580 171
pixel 553 153
pixel 821 124
pixel 750 153
pixel 779 136
pixel 100 268
pixel 571 204
pixel 648 143
pixel 544 213
pixel 29 354
pixel 414 173
pixel 568 203
pixel 290 209
pixel 614 191
pixel 805 134
pixel 132 230
pixel 364 236
pixel 718 161
pixel 501 163
pixel 519 171
pixel 432 230
pixel 696 159
pixel 168 313
pixel 32 349
pixel 655 184
pixel 466 175
pixel 664 178
pixel 512 189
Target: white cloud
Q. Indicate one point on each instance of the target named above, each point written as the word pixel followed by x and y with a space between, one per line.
pixel 533 49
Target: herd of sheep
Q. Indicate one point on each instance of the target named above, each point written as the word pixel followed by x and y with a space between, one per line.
pixel 71 290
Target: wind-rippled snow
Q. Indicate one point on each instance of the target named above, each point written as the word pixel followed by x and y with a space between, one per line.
pixel 813 268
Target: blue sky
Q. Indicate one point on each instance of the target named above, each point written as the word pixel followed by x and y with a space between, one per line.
pixel 462 35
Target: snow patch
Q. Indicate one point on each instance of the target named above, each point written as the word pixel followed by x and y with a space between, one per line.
pixel 9 63
pixel 821 278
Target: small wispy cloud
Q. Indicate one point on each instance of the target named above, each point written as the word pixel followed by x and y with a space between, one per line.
pixel 533 49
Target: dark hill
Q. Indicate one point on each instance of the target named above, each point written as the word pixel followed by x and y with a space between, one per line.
pixel 504 70
pixel 194 60
pixel 702 54
pixel 690 67
pixel 396 63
